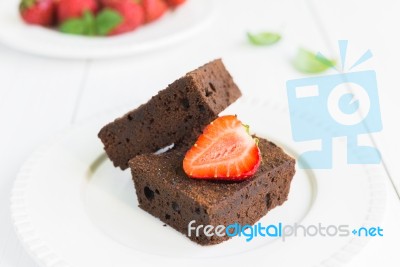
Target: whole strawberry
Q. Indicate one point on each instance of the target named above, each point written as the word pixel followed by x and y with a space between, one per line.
pixel 39 12
pixel 68 9
pixel 175 3
pixel 132 15
pixel 154 9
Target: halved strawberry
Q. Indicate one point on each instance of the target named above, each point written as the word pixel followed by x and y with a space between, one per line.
pixel 225 151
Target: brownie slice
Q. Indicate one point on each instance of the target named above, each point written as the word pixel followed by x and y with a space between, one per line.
pixel 164 190
pixel 177 113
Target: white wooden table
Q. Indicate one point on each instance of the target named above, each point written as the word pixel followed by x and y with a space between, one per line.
pixel 40 97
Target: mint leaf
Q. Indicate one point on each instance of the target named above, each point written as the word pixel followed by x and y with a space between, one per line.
pixel 73 26
pixel 308 62
pixel 82 26
pixel 263 38
pixel 89 21
pixel 107 20
pixel 89 25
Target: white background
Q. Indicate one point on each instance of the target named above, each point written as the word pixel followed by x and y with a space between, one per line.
pixel 40 96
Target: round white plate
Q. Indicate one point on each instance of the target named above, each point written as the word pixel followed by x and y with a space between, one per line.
pixel 174 27
pixel 71 207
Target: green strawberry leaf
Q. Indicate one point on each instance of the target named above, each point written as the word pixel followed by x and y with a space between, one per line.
pixel 308 62
pixel 73 26
pixel 263 38
pixel 107 20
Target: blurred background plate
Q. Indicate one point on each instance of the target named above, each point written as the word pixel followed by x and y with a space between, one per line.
pixel 174 27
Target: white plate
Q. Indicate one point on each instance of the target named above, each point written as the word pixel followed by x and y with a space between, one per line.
pixel 175 26
pixel 70 208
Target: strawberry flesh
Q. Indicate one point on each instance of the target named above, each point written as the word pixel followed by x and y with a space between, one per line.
pixel 225 151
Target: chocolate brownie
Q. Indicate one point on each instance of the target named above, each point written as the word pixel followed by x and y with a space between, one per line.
pixel 164 190
pixel 177 113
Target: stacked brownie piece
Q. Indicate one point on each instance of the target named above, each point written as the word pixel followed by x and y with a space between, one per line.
pixel 177 116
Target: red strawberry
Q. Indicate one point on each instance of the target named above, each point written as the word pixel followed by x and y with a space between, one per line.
pixel 68 9
pixel 225 151
pixel 154 9
pixel 40 12
pixel 175 3
pixel 105 3
pixel 130 10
